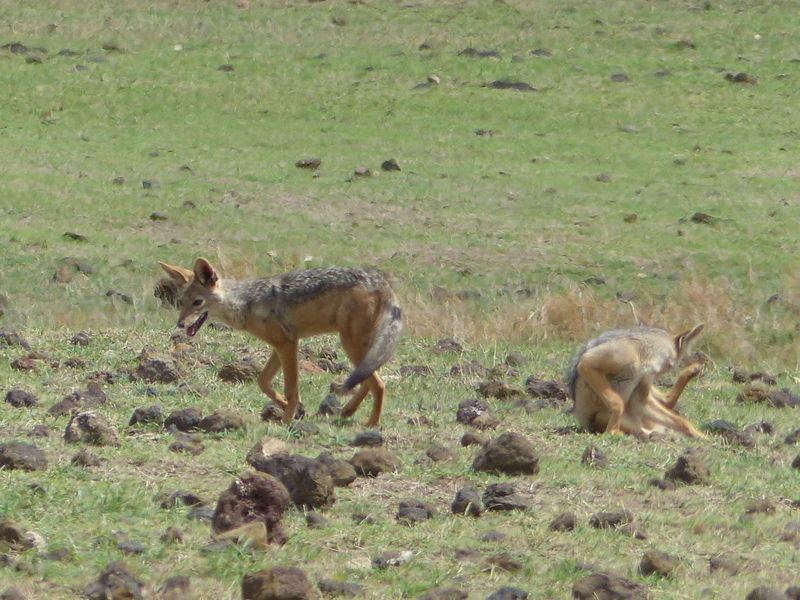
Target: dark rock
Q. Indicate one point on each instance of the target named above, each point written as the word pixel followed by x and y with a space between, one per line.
pixel 330 406
pixel 731 433
pixel 443 346
pixel 308 480
pixel 10 337
pixel 516 359
pixel 504 561
pixel 143 416
pixel 311 164
pixel 540 388
pixel 21 399
pixel 508 593
pixel 659 563
pixel 80 339
pixel 510 454
pixel 252 497
pixel 508 84
pixel 689 469
pixel 221 420
pixel 498 389
pixel 189 443
pixel 594 457
pixel 12 593
pixel 339 588
pixel 390 164
pixel 610 520
pixel 607 586
pixel 277 583
pixel 374 461
pixel 180 498
pixel 410 512
pixel 314 520
pixel 473 437
pixel 566 521
pixel 418 370
pixel 91 428
pixel 177 587
pixel 467 502
pixel 471 409
pixel 85 458
pixel 440 453
pixel 239 371
pixel 663 484
pixel 115 583
pixel 22 456
pixel 765 592
pixel 731 566
pixel 158 368
pixel 471 368
pixel 184 419
pixel 791 532
pixel 342 472
pixel 368 439
pixel 762 506
pixel 503 497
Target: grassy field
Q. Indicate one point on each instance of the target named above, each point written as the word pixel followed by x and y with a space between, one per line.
pixel 637 167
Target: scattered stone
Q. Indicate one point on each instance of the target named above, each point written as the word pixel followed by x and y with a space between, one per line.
pixel 471 368
pixel 493 537
pixel 444 594
pixel 392 559
pixel 498 389
pixel 315 520
pixel 252 497
pixel 410 512
pixel 663 484
pixel 731 566
pixel 440 453
pixel 312 164
pixel 158 368
pixel 467 502
pixel 10 337
pixel 743 78
pixel 12 593
pixel 342 472
pixel 221 420
pixel 516 359
pixel 330 406
pixel 177 587
pixel 188 443
pixel 508 593
pixel 765 592
pixel 25 363
pixel 339 588
pixel 689 469
pixel 144 416
pixel 374 461
pixel 659 563
pixel 633 530
pixel 362 171
pixel 277 583
pixel 729 432
pixel 791 532
pixel 503 497
pixel 390 164
pixel 594 457
pixel 180 498
pixel 85 458
pixel 510 454
pixel 308 480
pixel 416 370
pixel 115 583
pixel 565 521
pixel 610 520
pixel 447 346
pixel 473 437
pixel 470 411
pixel 21 399
pixel 504 561
pixel 607 586
pixel 184 419
pixel 539 388
pixel 762 506
pixel 508 84
pixel 14 538
pixel 620 78
pixel 368 439
pixel 91 428
pixel 239 371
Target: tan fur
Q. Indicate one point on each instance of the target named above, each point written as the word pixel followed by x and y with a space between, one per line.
pixel 358 304
pixel 612 381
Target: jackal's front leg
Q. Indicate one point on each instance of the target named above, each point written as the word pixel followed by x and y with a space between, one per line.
pixel 597 379
pixel 287 354
pixel 265 380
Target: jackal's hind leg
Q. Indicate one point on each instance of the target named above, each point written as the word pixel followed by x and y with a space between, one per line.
pixel 597 379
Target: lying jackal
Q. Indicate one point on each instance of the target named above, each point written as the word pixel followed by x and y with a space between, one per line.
pixel 612 381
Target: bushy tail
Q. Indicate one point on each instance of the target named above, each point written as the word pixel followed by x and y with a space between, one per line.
pixel 381 348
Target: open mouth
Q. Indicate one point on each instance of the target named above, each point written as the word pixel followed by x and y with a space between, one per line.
pixel 195 327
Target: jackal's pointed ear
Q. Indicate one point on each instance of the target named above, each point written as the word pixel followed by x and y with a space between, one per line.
pixel 205 273
pixel 180 275
pixel 684 338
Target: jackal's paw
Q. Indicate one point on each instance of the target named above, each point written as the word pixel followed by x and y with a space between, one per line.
pixel 692 371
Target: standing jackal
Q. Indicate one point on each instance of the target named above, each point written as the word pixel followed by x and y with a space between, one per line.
pixel 359 304
pixel 612 381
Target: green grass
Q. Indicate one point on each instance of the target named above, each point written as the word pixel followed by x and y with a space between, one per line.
pixel 518 218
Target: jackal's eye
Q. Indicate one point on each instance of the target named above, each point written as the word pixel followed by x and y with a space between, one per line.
pixel 197 302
